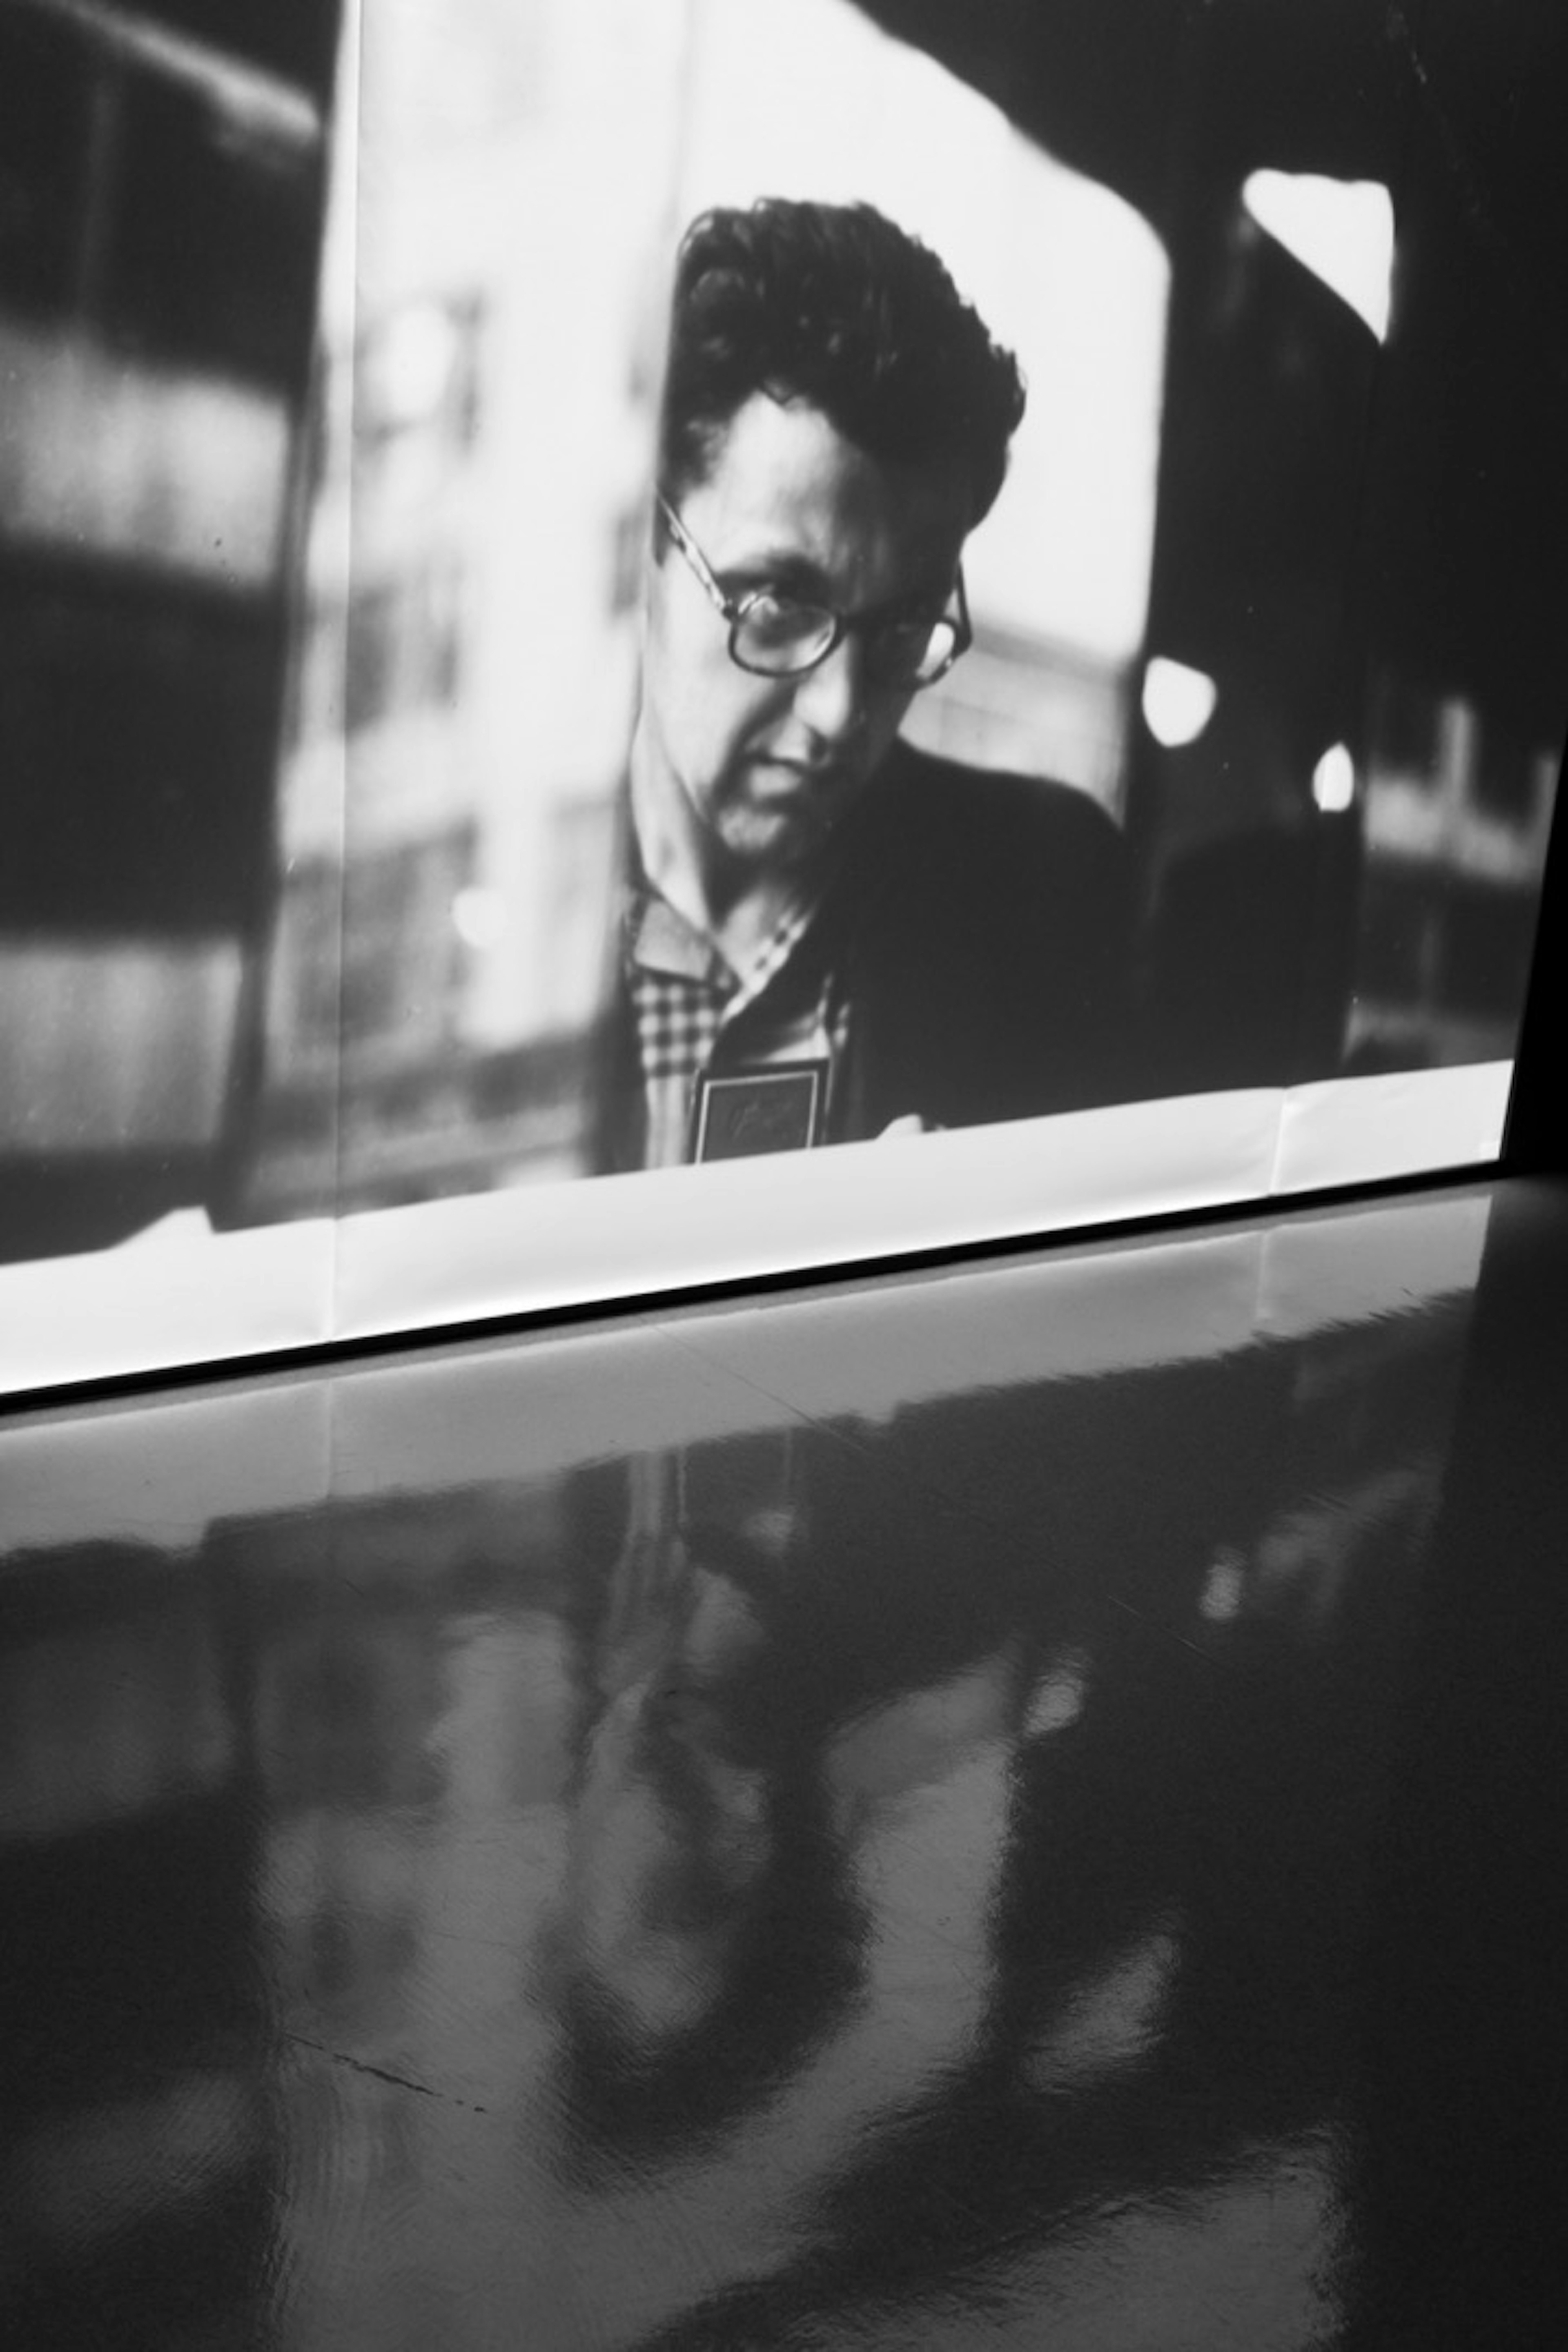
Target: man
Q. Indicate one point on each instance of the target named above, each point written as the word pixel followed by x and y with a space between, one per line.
pixel 826 935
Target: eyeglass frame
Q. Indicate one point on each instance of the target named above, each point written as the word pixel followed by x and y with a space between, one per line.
pixel 735 609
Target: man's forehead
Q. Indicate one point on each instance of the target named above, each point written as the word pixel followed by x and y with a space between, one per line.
pixel 785 486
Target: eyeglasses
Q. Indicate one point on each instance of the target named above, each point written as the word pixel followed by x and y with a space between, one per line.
pixel 775 635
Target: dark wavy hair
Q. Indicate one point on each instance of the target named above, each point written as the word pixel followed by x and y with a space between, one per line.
pixel 832 305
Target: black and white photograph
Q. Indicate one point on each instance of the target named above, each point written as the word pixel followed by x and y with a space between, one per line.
pixel 783 1184
pixel 961 609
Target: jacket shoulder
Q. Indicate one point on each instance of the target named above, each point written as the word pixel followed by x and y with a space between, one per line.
pixel 990 961
pixel 957 824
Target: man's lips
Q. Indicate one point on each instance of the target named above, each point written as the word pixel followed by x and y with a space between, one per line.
pixel 813 777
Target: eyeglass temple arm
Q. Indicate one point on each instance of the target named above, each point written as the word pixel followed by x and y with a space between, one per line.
pixel 965 626
pixel 722 604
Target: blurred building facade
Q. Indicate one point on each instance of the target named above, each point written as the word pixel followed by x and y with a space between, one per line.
pixel 161 177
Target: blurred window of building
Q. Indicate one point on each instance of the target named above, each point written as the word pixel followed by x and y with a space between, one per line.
pixel 418 369
pixel 306 972
pixel 404 645
pixel 402 952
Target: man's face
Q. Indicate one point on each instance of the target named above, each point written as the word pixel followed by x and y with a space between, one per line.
pixel 759 770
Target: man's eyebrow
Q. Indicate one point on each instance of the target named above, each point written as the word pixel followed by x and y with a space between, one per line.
pixel 787 568
pixel 783 567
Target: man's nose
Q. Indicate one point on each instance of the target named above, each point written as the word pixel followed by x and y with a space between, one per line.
pixel 831 698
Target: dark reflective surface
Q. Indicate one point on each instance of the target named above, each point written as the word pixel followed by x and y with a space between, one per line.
pixel 954 1812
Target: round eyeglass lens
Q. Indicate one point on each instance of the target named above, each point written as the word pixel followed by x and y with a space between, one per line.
pixel 915 653
pixel 772 634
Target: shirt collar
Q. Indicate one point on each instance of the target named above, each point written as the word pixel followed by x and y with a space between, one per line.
pixel 658 937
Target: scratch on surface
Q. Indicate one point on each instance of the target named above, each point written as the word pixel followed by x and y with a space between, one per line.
pixel 1467 179
pixel 383 2074
pixel 1157 1626
pixel 1516 264
pixel 1402 34
pixel 1399 26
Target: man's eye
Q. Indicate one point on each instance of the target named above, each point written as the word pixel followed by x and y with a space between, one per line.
pixel 772 614
pixel 776 600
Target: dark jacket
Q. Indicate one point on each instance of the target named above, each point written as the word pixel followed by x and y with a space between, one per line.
pixel 982 923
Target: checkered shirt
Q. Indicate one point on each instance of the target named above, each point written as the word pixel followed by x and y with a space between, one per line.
pixel 693 1015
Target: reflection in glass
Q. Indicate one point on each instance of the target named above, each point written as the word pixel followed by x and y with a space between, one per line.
pixel 848 1872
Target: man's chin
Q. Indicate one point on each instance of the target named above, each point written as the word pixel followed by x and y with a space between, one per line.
pixel 777 835
pixel 790 821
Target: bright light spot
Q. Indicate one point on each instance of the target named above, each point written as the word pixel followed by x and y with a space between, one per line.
pixel 1220 1599
pixel 1178 702
pixel 1334 780
pixel 479 917
pixel 1058 1698
pixel 1341 230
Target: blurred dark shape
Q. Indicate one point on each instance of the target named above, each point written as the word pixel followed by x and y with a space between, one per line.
pixel 211 261
pixel 1536 1139
pixel 295 38
pixel 135 2148
pixel 121 705
pixel 45 115
pixel 1246 956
